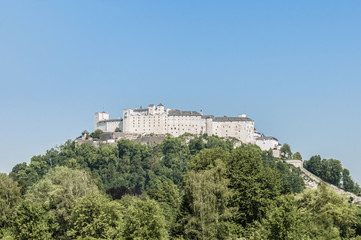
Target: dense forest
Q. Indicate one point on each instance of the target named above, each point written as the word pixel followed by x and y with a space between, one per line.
pixel 183 188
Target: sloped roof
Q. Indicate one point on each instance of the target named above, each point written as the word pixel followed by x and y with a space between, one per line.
pixel 140 110
pixel 267 138
pixel 232 119
pixel 112 120
pixel 183 113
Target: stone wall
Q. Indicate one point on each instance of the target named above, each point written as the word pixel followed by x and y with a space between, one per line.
pixel 312 181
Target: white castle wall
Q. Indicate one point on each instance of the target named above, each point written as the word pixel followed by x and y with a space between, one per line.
pixel 266 143
pixel 100 116
pixel 105 124
pixel 162 121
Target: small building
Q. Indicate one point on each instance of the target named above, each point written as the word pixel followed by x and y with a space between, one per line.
pixel 267 143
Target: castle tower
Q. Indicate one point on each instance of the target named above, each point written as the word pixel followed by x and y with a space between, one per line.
pixel 160 107
pixel 151 109
pixel 100 116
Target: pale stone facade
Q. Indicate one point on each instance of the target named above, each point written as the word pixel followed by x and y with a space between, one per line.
pixel 105 124
pixel 267 143
pixel 159 120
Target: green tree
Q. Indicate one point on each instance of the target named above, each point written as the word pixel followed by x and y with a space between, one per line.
pixel 96 216
pixel 18 173
pixel 9 198
pixel 335 169
pixel 175 161
pixel 206 159
pixel 255 186
pixel 282 222
pixel 58 190
pixel 32 221
pixel 96 133
pixel 196 145
pixel 217 142
pixel 325 170
pixel 206 198
pixel 169 200
pixel 290 177
pixel 314 165
pixel 143 220
pixel 347 183
pixel 297 156
pixel 327 214
pixel 286 151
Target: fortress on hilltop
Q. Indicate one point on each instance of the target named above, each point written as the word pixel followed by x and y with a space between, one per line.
pixel 159 120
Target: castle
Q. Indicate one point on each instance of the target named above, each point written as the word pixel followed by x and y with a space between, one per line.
pixel 158 120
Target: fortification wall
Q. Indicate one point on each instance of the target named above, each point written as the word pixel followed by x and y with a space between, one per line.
pixel 312 181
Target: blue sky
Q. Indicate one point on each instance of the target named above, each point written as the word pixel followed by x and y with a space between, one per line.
pixel 292 66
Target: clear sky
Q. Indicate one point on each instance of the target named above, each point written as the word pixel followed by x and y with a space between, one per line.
pixel 292 66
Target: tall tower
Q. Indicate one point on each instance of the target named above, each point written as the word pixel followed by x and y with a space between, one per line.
pixel 100 116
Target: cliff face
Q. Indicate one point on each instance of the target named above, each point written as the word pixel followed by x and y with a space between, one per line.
pixel 312 181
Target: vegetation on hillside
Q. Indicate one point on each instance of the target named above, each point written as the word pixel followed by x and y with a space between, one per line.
pixel 184 188
pixel 331 171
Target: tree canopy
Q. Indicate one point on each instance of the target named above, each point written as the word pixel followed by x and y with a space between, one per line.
pixel 187 187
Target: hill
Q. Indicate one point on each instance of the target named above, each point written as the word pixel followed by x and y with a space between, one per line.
pixel 189 187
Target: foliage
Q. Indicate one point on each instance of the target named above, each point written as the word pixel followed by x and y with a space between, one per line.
pixel 328 215
pixel 331 171
pixel 169 199
pixel 144 220
pixel 119 192
pixel 96 216
pixel 314 165
pixel 297 156
pixel 206 201
pixel 9 199
pixel 320 214
pixel 96 133
pixel 291 179
pixel 58 190
pixel 254 185
pixel 196 145
pixel 286 151
pixel 282 221
pixel 32 221
pixel 189 187
pixel 206 159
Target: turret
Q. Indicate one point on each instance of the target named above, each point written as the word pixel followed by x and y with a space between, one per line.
pixel 160 107
pixel 100 116
pixel 151 109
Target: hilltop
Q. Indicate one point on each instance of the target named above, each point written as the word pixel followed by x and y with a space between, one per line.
pixel 164 187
